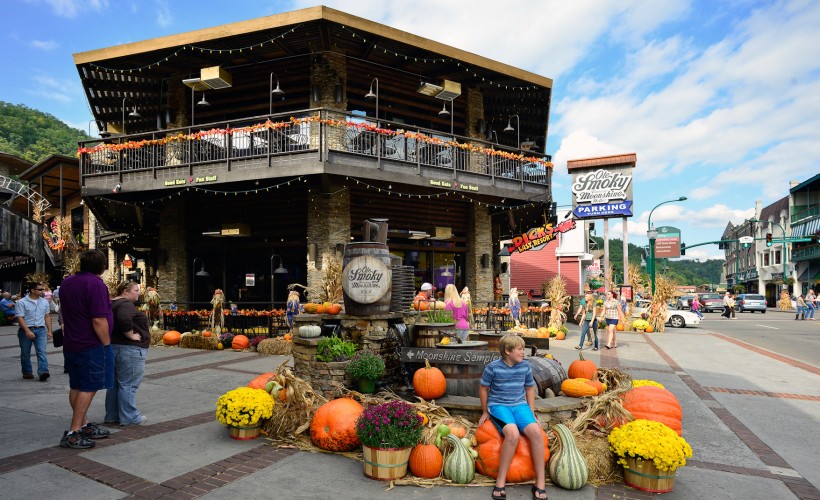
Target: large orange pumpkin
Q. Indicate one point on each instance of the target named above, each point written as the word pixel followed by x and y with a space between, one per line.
pixel 653 403
pixel 240 342
pixel 620 326
pixel 260 381
pixel 429 382
pixel 333 427
pixel 560 335
pixel 489 452
pixel 426 461
pixel 582 368
pixel 171 337
pixel 334 309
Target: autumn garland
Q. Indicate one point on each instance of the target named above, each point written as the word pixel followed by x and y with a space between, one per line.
pixel 269 125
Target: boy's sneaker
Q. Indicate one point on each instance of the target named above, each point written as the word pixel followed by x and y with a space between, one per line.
pixel 44 376
pixel 29 376
pixel 76 440
pixel 93 431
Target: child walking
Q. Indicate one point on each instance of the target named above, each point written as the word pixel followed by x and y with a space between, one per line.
pixel 507 394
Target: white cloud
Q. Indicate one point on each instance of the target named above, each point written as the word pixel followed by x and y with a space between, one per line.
pixel 70 8
pixel 164 16
pixel 64 91
pixel 46 45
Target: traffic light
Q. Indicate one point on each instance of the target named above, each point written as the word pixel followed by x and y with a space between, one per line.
pixel 553 213
pixel 683 248
pixel 768 239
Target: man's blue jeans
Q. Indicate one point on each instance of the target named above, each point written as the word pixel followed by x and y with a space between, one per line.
pixel 40 341
pixel 585 330
pixel 121 400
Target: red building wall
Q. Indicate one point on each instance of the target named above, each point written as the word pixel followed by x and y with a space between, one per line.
pixel 531 269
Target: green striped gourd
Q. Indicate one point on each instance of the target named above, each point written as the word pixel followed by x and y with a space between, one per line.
pixel 568 468
pixel 459 466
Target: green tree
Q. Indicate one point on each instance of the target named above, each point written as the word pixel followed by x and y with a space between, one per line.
pixel 33 135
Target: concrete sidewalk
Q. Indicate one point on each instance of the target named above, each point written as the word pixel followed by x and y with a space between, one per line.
pixel 752 423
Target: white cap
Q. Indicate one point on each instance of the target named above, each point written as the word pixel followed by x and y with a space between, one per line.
pixel 426 286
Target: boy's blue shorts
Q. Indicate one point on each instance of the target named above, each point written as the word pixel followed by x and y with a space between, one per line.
pixel 520 415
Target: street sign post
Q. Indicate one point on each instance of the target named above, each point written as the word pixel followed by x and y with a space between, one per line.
pixel 667 244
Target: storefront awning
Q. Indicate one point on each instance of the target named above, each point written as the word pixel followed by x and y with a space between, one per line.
pixel 804 276
pixel 807 228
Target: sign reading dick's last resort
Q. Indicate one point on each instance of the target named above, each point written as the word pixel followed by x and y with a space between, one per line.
pixel 603 192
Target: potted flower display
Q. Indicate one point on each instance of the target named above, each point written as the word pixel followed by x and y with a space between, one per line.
pixel 650 453
pixel 365 367
pixel 388 433
pixel 242 411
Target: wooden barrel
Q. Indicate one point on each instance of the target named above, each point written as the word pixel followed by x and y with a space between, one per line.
pixel 548 374
pixel 366 279
pixel 430 334
pixel 462 380
pixel 491 337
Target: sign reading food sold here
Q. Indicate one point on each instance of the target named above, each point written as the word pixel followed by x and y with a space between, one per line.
pixel 366 279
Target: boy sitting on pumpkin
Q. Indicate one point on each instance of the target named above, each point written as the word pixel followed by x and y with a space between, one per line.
pixel 507 394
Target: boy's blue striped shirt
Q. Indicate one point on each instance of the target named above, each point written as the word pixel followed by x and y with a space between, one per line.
pixel 506 382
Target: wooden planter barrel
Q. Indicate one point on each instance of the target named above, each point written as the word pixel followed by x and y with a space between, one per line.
pixel 548 374
pixel 366 279
pixel 385 464
pixel 430 334
pixel 245 433
pixel 643 475
pixel 462 380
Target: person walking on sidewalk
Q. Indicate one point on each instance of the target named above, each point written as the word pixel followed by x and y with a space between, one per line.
pixel 727 301
pixel 612 314
pixel 131 338
pixel 695 307
pixel 32 313
pixel 801 308
pixel 811 305
pixel 586 312
pixel 89 357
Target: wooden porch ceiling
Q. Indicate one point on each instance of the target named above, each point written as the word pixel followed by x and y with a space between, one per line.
pixel 285 44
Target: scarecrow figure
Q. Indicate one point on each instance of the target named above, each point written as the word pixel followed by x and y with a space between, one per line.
pixel 152 299
pixel 216 314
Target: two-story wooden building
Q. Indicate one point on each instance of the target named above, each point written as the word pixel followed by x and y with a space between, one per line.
pixel 262 144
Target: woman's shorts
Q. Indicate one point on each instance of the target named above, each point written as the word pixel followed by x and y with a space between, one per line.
pixel 520 415
pixel 90 370
pixel 611 321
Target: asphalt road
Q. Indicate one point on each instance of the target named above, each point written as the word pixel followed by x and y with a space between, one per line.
pixel 775 331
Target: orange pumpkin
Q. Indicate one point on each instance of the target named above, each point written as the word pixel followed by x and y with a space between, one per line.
pixel 578 388
pixel 206 333
pixel 426 461
pixel 320 309
pixel 456 428
pixel 619 326
pixel 240 342
pixel 260 381
pixel 429 382
pixel 171 337
pixel 582 368
pixel 649 329
pixel 560 335
pixel 653 403
pixel 288 336
pixel 489 452
pixel 333 427
pixel 334 309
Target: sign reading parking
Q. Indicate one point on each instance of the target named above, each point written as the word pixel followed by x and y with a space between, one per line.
pixel 667 245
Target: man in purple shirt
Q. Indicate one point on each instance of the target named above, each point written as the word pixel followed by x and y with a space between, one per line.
pixel 89 357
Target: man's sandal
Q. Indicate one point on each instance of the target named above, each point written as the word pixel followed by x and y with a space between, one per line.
pixel 538 491
pixel 502 490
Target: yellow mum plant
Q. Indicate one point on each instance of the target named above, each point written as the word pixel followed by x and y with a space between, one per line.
pixel 642 382
pixel 243 407
pixel 650 440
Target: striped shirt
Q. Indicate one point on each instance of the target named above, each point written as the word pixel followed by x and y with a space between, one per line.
pixel 506 382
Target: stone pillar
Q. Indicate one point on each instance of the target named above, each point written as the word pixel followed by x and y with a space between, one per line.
pixel 475 116
pixel 173 271
pixel 479 280
pixel 328 80
pixel 179 97
pixel 328 224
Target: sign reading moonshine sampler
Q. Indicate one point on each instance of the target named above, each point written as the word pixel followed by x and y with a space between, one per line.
pixel 365 279
pixel 602 187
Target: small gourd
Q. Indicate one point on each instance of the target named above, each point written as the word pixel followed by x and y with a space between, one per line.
pixel 577 388
pixel 459 466
pixel 310 331
pixel 568 468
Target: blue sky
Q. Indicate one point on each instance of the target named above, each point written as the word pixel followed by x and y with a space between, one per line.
pixel 718 99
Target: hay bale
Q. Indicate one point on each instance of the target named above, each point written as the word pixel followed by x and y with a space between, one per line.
pixel 275 347
pixel 156 336
pixel 602 463
pixel 191 341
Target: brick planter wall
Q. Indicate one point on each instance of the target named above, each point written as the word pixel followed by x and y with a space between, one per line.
pixel 325 378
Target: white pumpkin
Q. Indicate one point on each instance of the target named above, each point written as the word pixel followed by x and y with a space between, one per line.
pixel 310 331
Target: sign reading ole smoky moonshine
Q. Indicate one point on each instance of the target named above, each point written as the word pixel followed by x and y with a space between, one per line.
pixel 601 193
pixel 366 279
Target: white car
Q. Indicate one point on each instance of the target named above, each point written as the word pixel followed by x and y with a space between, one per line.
pixel 674 317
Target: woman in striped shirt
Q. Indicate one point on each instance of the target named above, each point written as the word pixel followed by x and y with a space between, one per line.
pixel 612 313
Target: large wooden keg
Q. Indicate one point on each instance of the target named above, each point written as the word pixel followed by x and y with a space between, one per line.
pixel 366 279
pixel 548 374
pixel 462 380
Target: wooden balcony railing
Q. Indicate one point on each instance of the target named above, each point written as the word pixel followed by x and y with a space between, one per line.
pixel 309 131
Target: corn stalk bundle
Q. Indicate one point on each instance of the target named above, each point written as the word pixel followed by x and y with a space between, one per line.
pixel 664 291
pixel 292 418
pixel 785 302
pixel 37 278
pixel 556 293
pixel 326 283
pixel 637 280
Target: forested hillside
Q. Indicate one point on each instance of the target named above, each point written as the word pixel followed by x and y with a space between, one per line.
pixel 33 135
pixel 684 272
